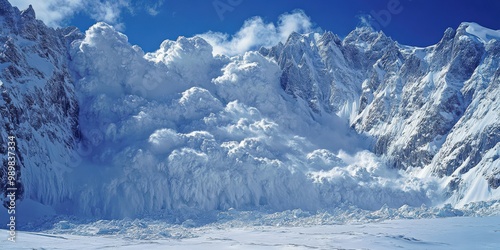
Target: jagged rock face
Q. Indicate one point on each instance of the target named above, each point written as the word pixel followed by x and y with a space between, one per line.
pixel 38 103
pixel 444 93
pixel 418 103
pixel 472 148
pixel 334 75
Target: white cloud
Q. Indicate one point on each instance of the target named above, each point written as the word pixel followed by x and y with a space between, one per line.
pixel 56 12
pixel 153 9
pixel 109 11
pixel 297 21
pixel 256 33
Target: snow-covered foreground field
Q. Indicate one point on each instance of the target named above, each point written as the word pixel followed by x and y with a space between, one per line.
pixel 441 233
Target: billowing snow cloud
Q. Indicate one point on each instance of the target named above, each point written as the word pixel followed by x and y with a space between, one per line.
pixel 256 33
pixel 55 12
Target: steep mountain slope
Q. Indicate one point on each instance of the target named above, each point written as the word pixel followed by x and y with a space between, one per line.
pixel 38 104
pixel 105 130
pixel 432 108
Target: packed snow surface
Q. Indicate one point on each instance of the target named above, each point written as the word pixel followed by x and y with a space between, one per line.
pixel 485 35
pixel 309 130
pixel 443 233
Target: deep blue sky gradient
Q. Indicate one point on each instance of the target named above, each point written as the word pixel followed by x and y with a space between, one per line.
pixel 419 23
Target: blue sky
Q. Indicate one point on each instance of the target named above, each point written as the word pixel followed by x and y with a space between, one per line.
pixel 148 23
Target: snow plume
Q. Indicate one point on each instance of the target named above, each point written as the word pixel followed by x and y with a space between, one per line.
pixel 365 20
pixel 256 33
pixel 202 142
pixel 56 12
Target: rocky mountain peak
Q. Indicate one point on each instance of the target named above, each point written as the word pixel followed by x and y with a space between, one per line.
pixel 365 35
pixel 329 37
pixel 29 13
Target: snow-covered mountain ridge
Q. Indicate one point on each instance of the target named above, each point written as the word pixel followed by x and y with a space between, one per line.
pixel 38 103
pixel 433 108
pixel 314 123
